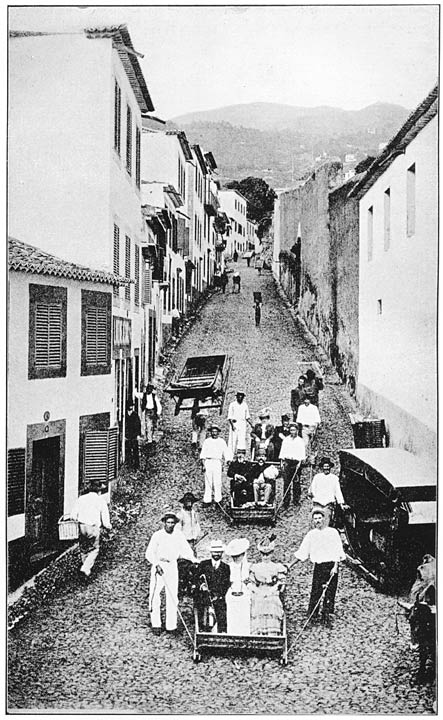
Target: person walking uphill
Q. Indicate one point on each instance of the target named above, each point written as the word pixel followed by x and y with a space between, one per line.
pixel 165 547
pixel 133 430
pixel 323 546
pixel 91 512
pixel 213 454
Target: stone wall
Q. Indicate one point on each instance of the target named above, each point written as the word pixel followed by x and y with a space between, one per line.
pixel 344 232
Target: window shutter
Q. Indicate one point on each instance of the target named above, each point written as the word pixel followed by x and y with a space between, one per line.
pixel 48 335
pixel 129 139
pixel 137 156
pixel 96 335
pixel 128 267
pixel 16 481
pixel 148 284
pixel 116 259
pixel 137 275
pixel 117 116
pixel 100 455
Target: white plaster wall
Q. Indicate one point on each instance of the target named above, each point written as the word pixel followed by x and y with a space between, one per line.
pixel 398 348
pixel 277 226
pixel 65 398
pixel 227 204
pixel 59 139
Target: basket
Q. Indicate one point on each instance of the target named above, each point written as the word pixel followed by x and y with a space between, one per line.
pixel 67 528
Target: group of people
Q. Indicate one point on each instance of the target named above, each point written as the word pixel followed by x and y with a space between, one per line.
pixel 151 410
pixel 238 597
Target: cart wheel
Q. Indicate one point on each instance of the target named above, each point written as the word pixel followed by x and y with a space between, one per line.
pixel 196 656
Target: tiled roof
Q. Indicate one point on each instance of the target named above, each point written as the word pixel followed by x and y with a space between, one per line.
pixel 183 140
pixel 27 258
pixel 198 152
pixel 123 43
pixel 416 121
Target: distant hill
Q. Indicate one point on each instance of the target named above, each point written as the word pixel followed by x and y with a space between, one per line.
pixel 271 116
pixel 280 142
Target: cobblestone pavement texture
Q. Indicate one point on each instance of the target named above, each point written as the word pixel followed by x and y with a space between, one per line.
pixel 91 647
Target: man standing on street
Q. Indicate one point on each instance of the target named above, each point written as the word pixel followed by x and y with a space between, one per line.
pixel 214 453
pixel 325 490
pixel 152 409
pixel 238 418
pixel 298 394
pixel 214 580
pixel 165 547
pixel 308 419
pixel 292 454
pixel 133 430
pixel 91 512
pixel 323 546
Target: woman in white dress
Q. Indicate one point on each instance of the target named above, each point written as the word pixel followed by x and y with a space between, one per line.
pixel 238 598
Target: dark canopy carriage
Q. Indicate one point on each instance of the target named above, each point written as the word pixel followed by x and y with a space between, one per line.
pixel 204 378
pixel 391 494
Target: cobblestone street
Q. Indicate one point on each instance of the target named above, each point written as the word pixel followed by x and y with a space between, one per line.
pixel 91 647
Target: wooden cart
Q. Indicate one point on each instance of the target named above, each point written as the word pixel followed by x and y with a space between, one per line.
pixel 203 378
pixel 242 644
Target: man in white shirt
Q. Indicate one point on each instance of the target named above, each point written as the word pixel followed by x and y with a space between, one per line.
pixel 152 409
pixel 292 454
pixel 323 546
pixel 308 419
pixel 325 489
pixel 91 512
pixel 213 454
pixel 238 417
pixel 165 547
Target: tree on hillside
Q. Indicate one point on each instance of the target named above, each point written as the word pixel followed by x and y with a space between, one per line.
pixel 258 193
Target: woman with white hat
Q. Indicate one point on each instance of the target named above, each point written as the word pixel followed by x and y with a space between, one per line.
pixel 268 579
pixel 238 600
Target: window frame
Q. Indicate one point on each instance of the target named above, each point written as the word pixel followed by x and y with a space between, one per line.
pixel 97 299
pixel 51 295
pixel 117 117
pixel 129 139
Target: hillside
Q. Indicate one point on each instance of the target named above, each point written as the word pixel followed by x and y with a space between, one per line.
pixel 289 139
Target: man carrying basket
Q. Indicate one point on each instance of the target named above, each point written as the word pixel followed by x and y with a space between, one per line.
pixel 91 512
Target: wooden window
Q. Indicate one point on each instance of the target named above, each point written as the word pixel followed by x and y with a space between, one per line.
pixel 129 139
pixel 100 456
pixel 387 219
pixel 116 258
pixel 96 333
pixel 370 232
pixel 16 481
pixel 47 331
pixel 127 267
pixel 137 275
pixel 379 306
pixel 410 201
pixel 117 116
pixel 147 286
pixel 137 156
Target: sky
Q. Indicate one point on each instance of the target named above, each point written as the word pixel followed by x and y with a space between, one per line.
pixel 203 57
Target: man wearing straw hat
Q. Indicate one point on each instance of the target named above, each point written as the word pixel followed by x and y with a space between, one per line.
pixel 213 584
pixel 323 546
pixel 165 547
pixel 213 454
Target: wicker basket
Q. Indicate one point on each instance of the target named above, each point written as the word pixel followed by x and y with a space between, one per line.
pixel 67 528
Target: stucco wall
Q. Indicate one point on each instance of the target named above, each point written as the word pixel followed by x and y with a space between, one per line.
pixel 398 346
pixel 65 398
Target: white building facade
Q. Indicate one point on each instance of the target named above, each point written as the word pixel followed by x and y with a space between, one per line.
pixel 398 283
pixel 235 207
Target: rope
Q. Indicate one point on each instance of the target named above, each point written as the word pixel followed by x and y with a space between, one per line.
pixel 194 645
pixel 321 598
pixel 288 488
pixel 223 511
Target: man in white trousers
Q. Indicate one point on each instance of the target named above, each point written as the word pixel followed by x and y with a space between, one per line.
pixel 91 512
pixel 165 547
pixel 213 454
pixel 238 418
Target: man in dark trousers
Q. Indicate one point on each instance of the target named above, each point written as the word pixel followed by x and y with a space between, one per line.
pixel 132 432
pixel 213 584
pixel 239 471
pixel 298 394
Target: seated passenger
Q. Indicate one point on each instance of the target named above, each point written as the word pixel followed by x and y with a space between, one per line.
pixel 268 580
pixel 264 485
pixel 241 482
pixel 213 583
pixel 261 437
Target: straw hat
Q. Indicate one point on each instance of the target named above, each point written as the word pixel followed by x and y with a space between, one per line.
pixel 237 547
pixel 216 546
pixel 170 514
pixel 266 547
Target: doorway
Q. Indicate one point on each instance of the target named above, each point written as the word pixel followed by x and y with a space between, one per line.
pixel 46 493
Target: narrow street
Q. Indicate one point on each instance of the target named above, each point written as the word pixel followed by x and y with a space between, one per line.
pixel 91 648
